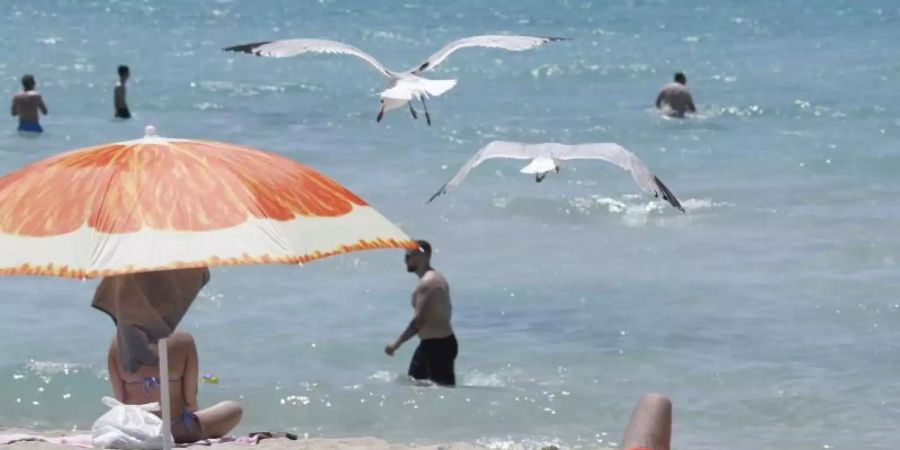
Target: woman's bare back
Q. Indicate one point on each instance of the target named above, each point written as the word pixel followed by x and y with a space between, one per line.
pixel 138 388
pixel 143 386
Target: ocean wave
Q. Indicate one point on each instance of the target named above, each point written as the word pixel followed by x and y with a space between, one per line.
pixel 206 106
pixel 386 36
pixel 382 376
pixel 476 378
pixel 521 444
pixel 725 78
pixel 636 209
pixel 295 400
pixel 547 71
pixel 714 111
pixel 54 367
pixel 637 204
pixel 795 109
pixel 209 297
pixel 249 90
pixel 582 66
pixel 798 108
pixel 471 379
pixel 818 110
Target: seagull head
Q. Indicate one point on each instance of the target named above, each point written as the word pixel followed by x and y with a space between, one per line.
pixel 388 104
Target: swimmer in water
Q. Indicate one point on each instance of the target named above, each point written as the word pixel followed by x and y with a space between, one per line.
pixel 675 99
pixel 119 103
pixel 27 104
pixel 435 356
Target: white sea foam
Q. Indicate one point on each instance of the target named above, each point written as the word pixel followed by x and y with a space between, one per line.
pixel 54 367
pixel 207 106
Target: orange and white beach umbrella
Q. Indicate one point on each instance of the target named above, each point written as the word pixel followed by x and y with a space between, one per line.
pixel 157 203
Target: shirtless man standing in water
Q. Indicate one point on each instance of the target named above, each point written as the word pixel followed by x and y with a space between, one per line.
pixel 674 100
pixel 433 359
pixel 27 104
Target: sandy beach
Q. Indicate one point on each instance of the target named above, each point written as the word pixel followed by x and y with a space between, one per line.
pixel 279 444
pixel 345 443
pixel 360 443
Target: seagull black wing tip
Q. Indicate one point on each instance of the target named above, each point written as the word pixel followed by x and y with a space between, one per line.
pixel 246 48
pixel 442 190
pixel 667 194
pixel 556 38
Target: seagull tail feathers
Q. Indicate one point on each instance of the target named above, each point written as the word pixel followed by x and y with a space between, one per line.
pixel 438 87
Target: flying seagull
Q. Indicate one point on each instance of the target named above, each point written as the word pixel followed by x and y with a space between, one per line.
pixel 403 87
pixel 548 157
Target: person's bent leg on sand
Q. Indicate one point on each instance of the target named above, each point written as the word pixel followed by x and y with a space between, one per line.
pixel 216 421
pixel 650 427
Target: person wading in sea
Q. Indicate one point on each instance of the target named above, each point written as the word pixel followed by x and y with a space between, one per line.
pixel 675 99
pixel 27 104
pixel 434 358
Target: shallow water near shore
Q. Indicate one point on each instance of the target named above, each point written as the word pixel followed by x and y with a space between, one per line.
pixel 768 312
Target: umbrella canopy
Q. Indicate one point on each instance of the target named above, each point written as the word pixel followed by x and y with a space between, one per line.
pixel 157 203
pixel 161 205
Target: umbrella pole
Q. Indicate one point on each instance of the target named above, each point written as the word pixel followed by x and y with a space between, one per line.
pixel 165 400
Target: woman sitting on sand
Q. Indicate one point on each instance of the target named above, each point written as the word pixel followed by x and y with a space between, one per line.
pixel 189 422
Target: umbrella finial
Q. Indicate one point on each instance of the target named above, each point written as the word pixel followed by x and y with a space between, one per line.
pixel 149 131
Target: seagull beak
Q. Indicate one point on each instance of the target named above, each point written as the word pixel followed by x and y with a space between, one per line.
pixel 380 114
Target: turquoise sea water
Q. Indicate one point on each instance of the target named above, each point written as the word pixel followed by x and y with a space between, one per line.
pixel 769 312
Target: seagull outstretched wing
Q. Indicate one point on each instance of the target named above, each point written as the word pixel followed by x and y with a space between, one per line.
pixel 511 43
pixel 496 149
pixel 609 152
pixel 619 156
pixel 293 47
